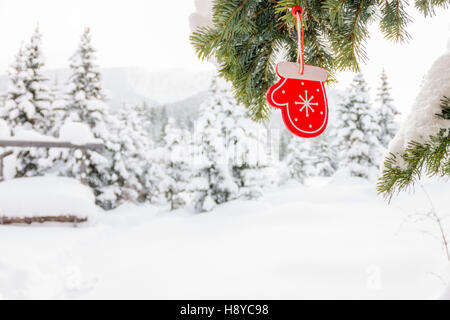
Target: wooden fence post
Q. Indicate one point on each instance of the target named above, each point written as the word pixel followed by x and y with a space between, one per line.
pixel 1 170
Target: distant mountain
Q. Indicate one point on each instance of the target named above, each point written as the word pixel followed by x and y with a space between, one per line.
pixel 134 85
pixel 163 87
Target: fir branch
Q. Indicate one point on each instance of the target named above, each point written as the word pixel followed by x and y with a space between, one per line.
pixel 427 6
pixel 394 20
pixel 205 41
pixel 431 157
pixel 334 9
pixel 445 105
pixel 246 34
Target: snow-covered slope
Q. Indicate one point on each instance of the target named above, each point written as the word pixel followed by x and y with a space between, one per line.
pixel 329 239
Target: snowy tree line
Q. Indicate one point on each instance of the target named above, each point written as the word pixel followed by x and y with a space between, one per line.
pixel 354 142
pixel 149 157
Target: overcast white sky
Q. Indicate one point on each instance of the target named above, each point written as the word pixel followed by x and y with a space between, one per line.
pixel 126 33
pixel 152 34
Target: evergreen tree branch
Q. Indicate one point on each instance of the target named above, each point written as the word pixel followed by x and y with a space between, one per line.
pixel 394 20
pixel 445 105
pixel 431 158
pixel 427 6
pixel 246 34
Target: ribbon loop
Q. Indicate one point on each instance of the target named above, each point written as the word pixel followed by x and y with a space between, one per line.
pixel 297 11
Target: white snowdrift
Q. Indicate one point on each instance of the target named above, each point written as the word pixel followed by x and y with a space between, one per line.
pixel 5 132
pixel 74 132
pixel 77 133
pixel 45 196
pixel 31 135
pixel 422 121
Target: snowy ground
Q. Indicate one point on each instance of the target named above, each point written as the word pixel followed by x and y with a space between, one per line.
pixel 331 239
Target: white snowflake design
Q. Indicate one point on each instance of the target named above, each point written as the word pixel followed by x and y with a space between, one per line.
pixel 306 103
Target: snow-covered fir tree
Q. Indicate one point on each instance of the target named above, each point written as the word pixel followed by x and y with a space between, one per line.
pixel 27 104
pixel 86 103
pixel 284 138
pixel 58 109
pixel 213 183
pixel 358 131
pixel 309 158
pixel 386 112
pixel 158 120
pixel 250 165
pixel 175 165
pixel 28 100
pixel 17 100
pixel 144 115
pixel 141 161
pixel 131 161
pixel 86 86
pixel 152 176
pixel 298 162
pixel 245 143
pixel 321 157
pixel 37 84
pixel 151 121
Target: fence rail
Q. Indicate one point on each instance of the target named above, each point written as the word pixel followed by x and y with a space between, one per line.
pixel 49 144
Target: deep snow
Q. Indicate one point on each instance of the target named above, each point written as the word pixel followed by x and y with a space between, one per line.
pixel 334 238
pixel 46 196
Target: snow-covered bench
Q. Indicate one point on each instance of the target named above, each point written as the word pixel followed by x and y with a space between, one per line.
pixel 42 199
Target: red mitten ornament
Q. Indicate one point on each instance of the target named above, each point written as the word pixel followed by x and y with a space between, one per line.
pixel 301 98
pixel 300 93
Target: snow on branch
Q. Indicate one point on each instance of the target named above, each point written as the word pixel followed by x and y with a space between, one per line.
pixel 423 141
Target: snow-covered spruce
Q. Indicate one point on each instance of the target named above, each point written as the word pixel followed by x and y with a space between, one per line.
pixel 245 144
pixel 134 164
pixel 238 153
pixel 213 183
pixel 27 104
pixel 27 100
pixel 357 131
pixel 322 158
pixel 157 122
pixel 386 112
pixel 297 159
pixel 284 139
pixel 86 103
pixel 175 165
pixel 309 158
pixel 58 108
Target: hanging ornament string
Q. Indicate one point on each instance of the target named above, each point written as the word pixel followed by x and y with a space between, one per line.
pixel 297 13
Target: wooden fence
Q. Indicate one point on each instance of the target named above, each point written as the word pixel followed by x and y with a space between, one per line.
pixel 48 144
